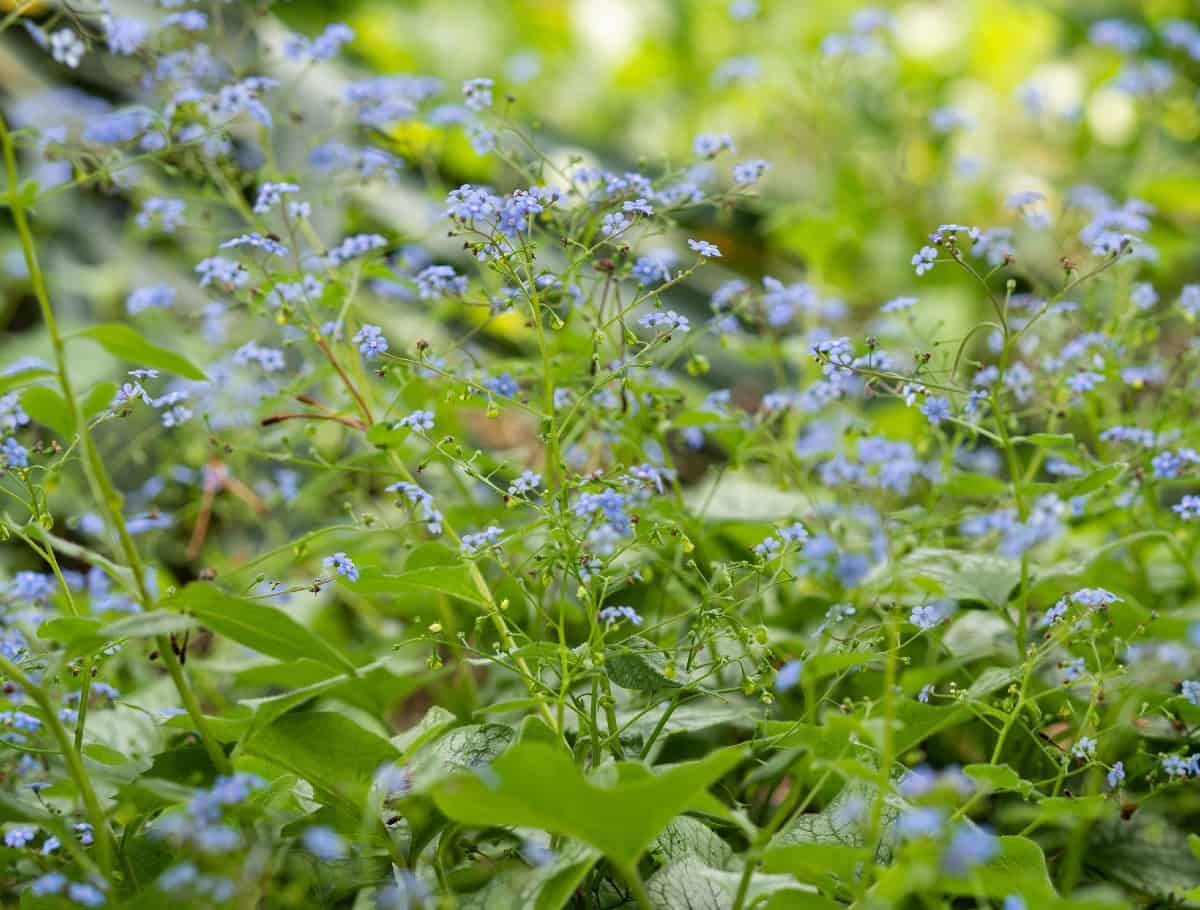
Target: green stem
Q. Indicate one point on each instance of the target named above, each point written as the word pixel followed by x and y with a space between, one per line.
pixel 796 800
pixel 636 888
pixel 610 714
pixel 103 837
pixel 101 485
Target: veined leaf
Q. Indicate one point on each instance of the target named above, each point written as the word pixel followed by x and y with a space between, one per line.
pixel 537 786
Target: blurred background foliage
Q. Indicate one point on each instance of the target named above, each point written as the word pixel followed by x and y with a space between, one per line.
pixel 859 174
pixel 863 167
pixel 959 105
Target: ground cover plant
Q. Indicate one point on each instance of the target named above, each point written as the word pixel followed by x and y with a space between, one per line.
pixel 608 476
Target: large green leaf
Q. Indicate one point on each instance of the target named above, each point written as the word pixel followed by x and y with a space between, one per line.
pixel 467 748
pixel 537 786
pixel 841 823
pixel 128 344
pixel 1018 868
pixel 333 753
pixel 1146 853
pixel 686 835
pixel 545 887
pixel 964 576
pixel 689 884
pixel 266 629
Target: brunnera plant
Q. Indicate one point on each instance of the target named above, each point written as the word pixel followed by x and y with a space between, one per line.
pixel 415 555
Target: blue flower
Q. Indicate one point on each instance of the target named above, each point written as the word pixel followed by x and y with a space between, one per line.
pixel 125 36
pixel 613 615
pixel 343 565
pixel 66 48
pixel 324 843
pixel 708 145
pixel 920 822
pixel 417 420
pixel 527 482
pixel 356 246
pixel 50 883
pixel 1143 296
pixel 477 93
pixel 653 269
pixel 749 172
pixel 705 249
pixel 438 280
pixel 370 341
pixel 936 410
pixel 669 319
pixel 473 543
pixel 20 836
pixel 1177 765
pixel 969 846
pixel 503 385
pixel 1084 748
pixel 923 259
pixel 1116 775
pixel 928 616
pixel 788 676
pixel 1190 689
pixel 13 454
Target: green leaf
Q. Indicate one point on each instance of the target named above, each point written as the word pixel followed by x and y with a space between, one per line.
pixel 25 196
pixel 1147 853
pixel 840 823
pixel 686 835
pixel 437 720
pixel 98 399
pixel 964 576
pixel 266 629
pixel 992 680
pixel 128 344
pixel 966 483
pixel 466 748
pixel 536 786
pixel 918 722
pixel 547 887
pixel 639 665
pixel 10 381
pixel 821 665
pixel 1095 480
pixel 452 580
pixel 818 863
pixel 337 756
pixel 68 629
pixel 397 683
pixel 689 884
pixel 1018 868
pixel 50 409
pixel 999 778
pixel 1070 811
pixel 147 625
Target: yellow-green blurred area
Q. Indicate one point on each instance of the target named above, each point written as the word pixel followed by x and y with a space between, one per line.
pixel 860 175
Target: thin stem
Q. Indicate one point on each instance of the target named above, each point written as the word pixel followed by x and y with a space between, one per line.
pixel 101 486
pixel 103 837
